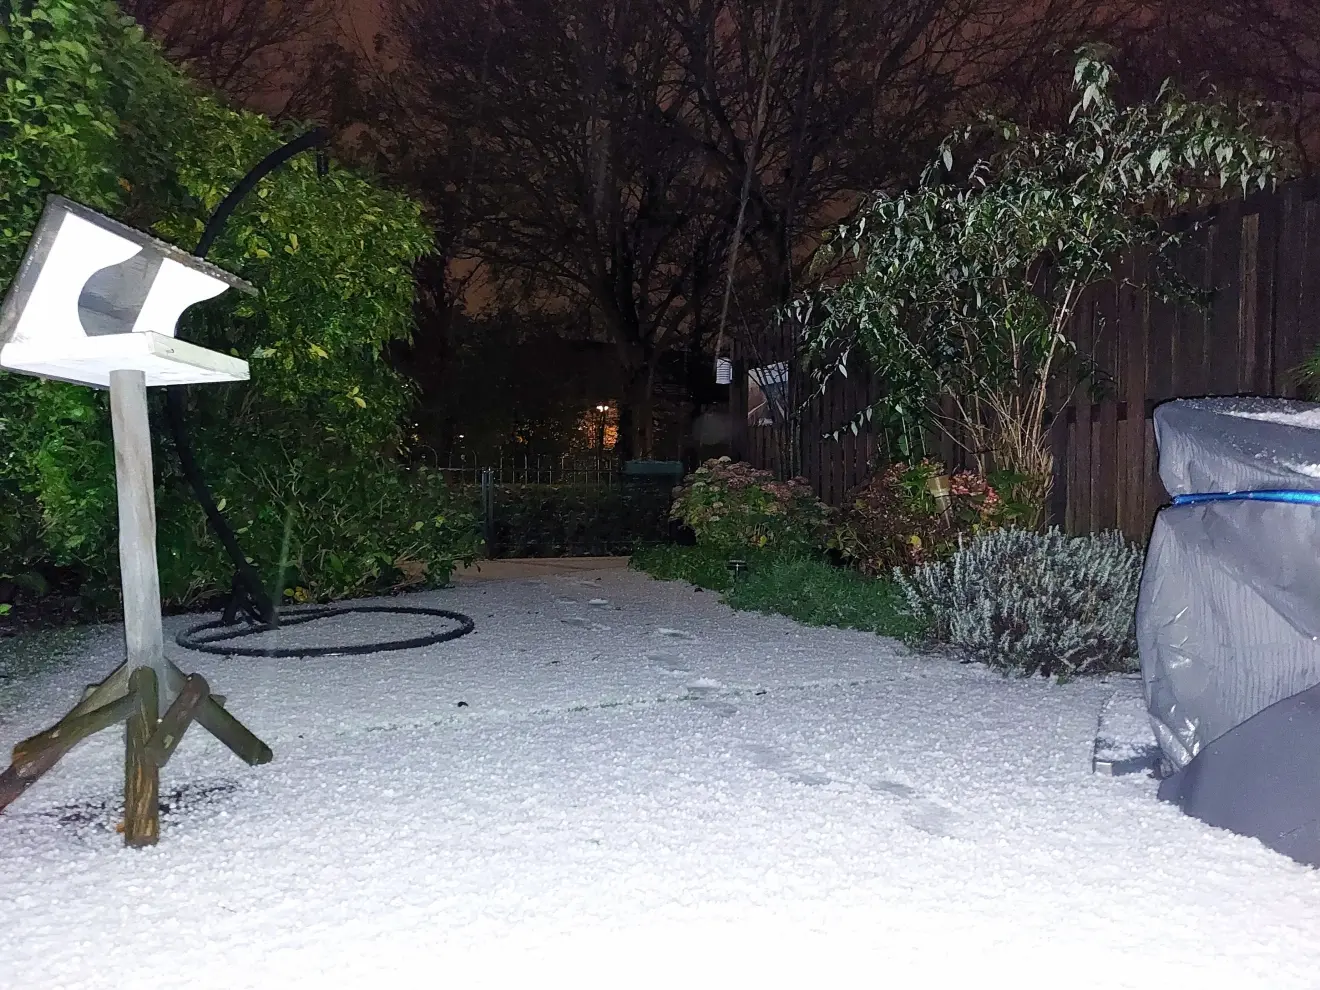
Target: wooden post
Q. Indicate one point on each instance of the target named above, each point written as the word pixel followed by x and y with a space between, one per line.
pixel 141 774
pixel 135 486
pixel 140 689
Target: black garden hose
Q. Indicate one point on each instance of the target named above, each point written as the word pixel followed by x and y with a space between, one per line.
pixel 248 599
pixel 196 638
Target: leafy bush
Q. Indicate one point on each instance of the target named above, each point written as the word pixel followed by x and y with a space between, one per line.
pixel 893 520
pixel 945 298
pixel 317 530
pixel 734 505
pixel 93 111
pixel 1035 603
pixel 578 520
pixel 812 591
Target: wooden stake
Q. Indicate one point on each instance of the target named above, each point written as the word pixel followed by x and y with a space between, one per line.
pixel 111 689
pixel 11 786
pixel 66 734
pixel 33 757
pixel 212 716
pixel 180 715
pixel 233 733
pixel 141 775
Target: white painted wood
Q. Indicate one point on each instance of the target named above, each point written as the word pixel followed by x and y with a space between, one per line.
pixel 81 249
pixel 143 635
pixel 174 290
pixel 93 295
pixel 162 359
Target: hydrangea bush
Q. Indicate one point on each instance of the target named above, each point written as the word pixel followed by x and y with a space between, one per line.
pixel 1034 603
pixel 893 520
pixel 731 505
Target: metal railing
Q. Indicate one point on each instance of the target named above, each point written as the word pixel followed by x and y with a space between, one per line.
pixel 507 468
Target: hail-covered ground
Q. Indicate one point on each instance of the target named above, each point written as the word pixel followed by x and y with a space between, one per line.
pixel 616 782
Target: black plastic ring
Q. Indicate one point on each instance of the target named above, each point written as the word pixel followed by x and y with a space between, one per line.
pixel 192 638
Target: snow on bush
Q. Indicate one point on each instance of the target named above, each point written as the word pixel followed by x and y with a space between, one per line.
pixel 1035 603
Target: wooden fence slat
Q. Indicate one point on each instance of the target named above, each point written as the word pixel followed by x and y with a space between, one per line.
pixel 1134 313
pixel 841 417
pixel 1101 445
pixel 1221 344
pixel 1308 336
pixel 1079 482
pixel 1288 296
pixel 1248 316
pixel 1161 334
pixel 1186 366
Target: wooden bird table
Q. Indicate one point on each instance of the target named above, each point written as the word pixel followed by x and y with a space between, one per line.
pixel 96 303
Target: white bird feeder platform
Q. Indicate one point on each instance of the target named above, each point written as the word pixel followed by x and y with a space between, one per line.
pixel 96 303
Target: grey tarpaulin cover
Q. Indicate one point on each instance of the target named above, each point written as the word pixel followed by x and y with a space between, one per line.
pixel 1229 615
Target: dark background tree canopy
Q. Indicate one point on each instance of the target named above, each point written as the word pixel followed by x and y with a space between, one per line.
pixel 576 172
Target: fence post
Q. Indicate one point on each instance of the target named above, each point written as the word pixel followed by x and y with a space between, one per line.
pixel 488 509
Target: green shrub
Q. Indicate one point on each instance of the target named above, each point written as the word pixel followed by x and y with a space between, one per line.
pixel 317 530
pixel 1034 603
pixel 732 505
pixel 810 590
pixel 93 111
pixel 893 520
pixel 578 520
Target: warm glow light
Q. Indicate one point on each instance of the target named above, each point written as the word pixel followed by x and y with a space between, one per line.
pixel 598 427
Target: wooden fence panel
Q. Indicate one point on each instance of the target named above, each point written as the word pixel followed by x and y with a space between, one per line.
pixel 1303 343
pixel 1261 260
pixel 1223 372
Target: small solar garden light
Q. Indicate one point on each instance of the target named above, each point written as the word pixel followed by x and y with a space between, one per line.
pixel 939 486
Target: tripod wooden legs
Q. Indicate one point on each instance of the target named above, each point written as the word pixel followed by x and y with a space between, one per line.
pixel 150 741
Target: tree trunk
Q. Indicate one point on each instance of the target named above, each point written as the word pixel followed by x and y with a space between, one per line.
pixel 779 276
pixel 637 416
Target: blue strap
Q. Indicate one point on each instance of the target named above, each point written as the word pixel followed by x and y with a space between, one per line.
pixel 1277 495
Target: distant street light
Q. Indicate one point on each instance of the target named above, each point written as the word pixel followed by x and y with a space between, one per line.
pixel 600 430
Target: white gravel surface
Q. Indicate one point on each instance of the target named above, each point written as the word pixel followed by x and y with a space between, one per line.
pixel 616 782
